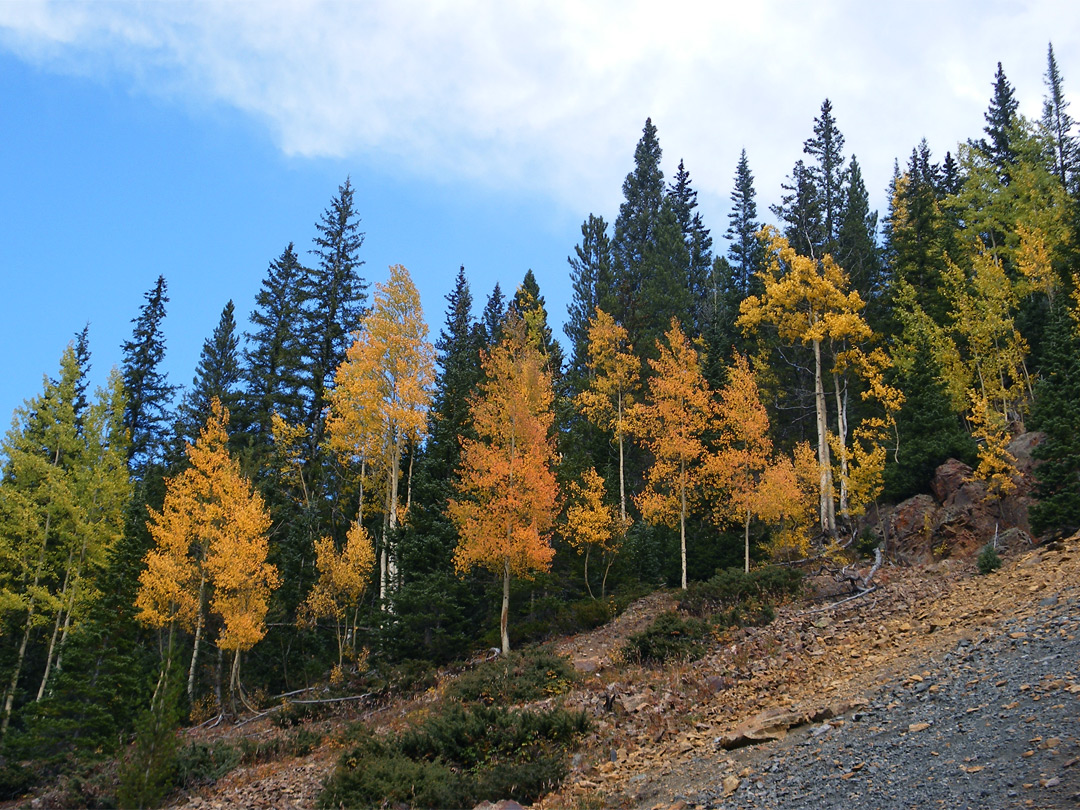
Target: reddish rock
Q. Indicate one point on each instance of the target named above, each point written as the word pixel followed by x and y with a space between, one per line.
pixel 949 478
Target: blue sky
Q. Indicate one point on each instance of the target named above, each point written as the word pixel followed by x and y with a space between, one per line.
pixel 196 140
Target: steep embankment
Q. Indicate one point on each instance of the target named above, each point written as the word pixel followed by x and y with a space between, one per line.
pixel 940 685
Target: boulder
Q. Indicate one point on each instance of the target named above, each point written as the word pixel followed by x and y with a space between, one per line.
pixel 949 478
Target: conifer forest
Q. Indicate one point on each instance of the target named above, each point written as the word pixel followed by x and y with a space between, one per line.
pixel 353 492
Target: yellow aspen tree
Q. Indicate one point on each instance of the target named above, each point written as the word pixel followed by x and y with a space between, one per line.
pixel 381 396
pixel 210 548
pixel 743 453
pixel 614 375
pixel 671 423
pixel 808 301
pixel 591 523
pixel 787 494
pixel 504 509
pixel 343 578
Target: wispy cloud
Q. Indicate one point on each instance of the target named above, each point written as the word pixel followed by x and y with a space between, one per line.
pixel 552 95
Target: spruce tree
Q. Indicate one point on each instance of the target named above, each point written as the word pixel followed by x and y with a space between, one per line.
pixel 745 252
pixel 273 357
pixel 635 232
pixel 1057 123
pixel 856 240
pixel 216 377
pixel 800 211
pixel 148 390
pixel 334 295
pixel 665 293
pixel 1000 121
pixel 1056 412
pixel 590 276
pixel 826 147
pixel 529 305
pixel 491 322
pixel 82 358
pixel 683 200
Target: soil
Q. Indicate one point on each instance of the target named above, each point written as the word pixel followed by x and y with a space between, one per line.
pixel 939 688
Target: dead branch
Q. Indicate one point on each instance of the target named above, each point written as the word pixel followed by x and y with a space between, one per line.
pixel 841 602
pixel 335 700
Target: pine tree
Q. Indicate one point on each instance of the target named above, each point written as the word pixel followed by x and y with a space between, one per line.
pixel 528 304
pixel 1056 412
pixel 491 321
pixel 216 377
pixel 148 390
pixel 1057 123
pixel 800 211
pixel 665 293
pixel 82 359
pixel 590 276
pixel 1001 118
pixel 745 252
pixel 334 296
pixel 683 199
pixel 827 172
pixel 635 233
pixel 856 239
pixel 273 356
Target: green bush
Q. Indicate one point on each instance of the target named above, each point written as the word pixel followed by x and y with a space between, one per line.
pixel 988 559
pixel 300 743
pixel 741 595
pixel 670 637
pixel 457 758
pixel 201 764
pixel 293 714
pixel 519 677
pixel 15 780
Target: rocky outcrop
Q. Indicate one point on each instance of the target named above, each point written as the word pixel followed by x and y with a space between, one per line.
pixel 959 518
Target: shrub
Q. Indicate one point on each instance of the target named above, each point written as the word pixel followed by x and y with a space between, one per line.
pixel 201 764
pixel 519 677
pixel 988 559
pixel 670 637
pixel 293 714
pixel 732 588
pixel 457 758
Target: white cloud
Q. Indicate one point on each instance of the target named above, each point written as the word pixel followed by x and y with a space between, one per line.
pixel 552 95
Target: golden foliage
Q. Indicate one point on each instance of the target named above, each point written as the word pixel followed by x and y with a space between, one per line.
pixel 506 496
pixel 211 530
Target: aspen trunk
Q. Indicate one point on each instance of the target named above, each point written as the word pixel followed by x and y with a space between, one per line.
pixel 841 428
pixel 56 631
pixel 505 617
pixel 682 518
pixel 198 639
pixel 622 474
pixel 746 529
pixel 826 509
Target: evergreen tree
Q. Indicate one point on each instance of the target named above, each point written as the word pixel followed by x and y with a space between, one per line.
pixel 800 211
pixel 82 359
pixel 1057 123
pixel 826 147
pixel 590 276
pixel 491 322
pixel 148 390
pixel 1000 121
pixel 745 252
pixel 635 232
pixel 528 304
pixel 274 356
pixel 334 295
pixel 1056 412
pixel 665 293
pixel 856 239
pixel 683 199
pixel 929 431
pixel 216 377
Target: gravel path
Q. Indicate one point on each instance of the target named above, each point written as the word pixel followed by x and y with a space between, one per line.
pixel 995 723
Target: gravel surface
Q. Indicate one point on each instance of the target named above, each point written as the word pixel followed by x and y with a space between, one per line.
pixel 993 723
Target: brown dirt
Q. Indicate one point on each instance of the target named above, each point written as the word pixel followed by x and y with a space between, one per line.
pixel 655 729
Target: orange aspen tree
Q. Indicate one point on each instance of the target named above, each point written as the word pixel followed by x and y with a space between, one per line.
pixel 591 523
pixel 343 578
pixel 808 301
pixel 744 452
pixel 210 547
pixel 614 372
pixel 381 396
pixel 671 423
pixel 506 494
